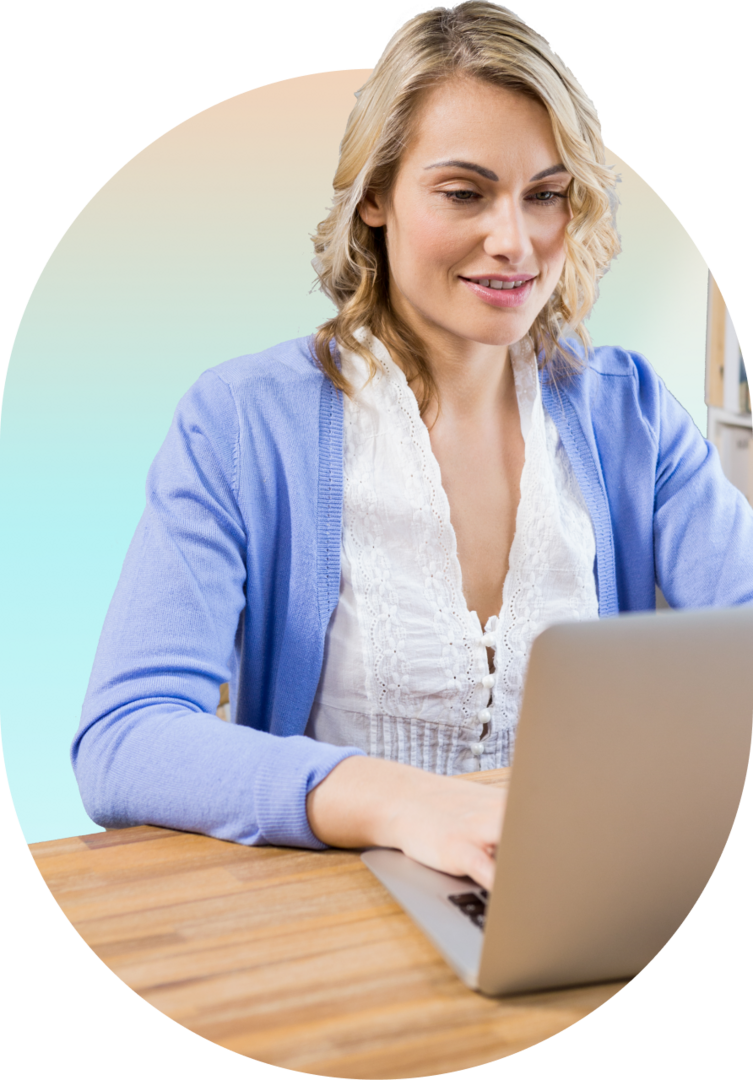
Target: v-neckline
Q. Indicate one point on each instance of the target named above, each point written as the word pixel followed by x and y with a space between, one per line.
pixel 528 392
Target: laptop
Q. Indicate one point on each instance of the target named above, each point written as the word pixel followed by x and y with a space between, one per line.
pixel 630 759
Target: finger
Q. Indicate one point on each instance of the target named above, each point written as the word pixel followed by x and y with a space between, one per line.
pixel 481 867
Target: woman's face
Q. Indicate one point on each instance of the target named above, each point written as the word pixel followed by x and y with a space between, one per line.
pixel 475 223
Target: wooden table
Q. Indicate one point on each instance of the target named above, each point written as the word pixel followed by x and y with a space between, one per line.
pixel 296 958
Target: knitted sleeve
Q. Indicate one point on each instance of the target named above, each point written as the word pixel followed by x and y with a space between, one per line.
pixel 703 526
pixel 149 749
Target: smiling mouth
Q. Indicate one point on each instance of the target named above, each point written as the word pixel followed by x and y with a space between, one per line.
pixel 499 283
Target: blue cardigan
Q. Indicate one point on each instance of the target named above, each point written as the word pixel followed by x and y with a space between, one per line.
pixel 234 571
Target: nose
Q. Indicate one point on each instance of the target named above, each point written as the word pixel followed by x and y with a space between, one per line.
pixel 507 234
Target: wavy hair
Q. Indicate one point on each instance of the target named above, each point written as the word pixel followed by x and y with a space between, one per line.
pixel 482 41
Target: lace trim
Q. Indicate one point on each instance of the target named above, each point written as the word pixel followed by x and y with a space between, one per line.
pixel 431 549
pixel 550 576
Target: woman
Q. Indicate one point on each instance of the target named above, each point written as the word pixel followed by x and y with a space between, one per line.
pixel 364 531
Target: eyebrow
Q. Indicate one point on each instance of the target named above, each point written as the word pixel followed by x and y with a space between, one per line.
pixel 548 172
pixel 488 174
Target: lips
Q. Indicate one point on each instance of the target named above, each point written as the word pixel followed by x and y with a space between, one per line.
pixel 502 283
pixel 501 290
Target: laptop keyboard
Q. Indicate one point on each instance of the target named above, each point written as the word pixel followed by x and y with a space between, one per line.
pixel 472 904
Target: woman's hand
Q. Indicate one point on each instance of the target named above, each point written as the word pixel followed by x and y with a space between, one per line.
pixel 437 820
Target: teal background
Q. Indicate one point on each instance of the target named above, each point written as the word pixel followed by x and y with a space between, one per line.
pixel 196 251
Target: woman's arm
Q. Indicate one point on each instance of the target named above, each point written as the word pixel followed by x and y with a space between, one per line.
pixel 438 820
pixel 149 748
pixel 703 526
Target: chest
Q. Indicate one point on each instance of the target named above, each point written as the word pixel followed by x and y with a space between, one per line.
pixel 481 463
pixel 466 465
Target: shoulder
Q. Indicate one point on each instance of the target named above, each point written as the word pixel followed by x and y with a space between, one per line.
pixel 613 389
pixel 283 380
pixel 595 370
pixel 251 403
pixel 248 442
pixel 622 408
pixel 290 364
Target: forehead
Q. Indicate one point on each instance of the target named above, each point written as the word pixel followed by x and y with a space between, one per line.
pixel 463 118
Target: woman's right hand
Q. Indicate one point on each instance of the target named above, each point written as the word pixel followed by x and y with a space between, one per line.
pixel 438 820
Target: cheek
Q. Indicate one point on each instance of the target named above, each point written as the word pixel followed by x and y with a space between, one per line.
pixel 423 242
pixel 550 243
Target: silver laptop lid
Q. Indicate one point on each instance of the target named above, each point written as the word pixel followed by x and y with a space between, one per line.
pixel 630 760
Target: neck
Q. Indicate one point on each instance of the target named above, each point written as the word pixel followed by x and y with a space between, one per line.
pixel 471 378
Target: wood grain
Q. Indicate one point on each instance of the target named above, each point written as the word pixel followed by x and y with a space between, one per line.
pixel 495 777
pixel 296 958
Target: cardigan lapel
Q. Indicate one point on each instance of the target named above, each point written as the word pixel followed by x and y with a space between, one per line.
pixel 587 469
pixel 329 500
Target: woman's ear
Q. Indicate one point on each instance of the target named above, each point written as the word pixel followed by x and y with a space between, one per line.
pixel 372 210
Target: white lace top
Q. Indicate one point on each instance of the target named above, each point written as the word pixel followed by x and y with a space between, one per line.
pixel 406 675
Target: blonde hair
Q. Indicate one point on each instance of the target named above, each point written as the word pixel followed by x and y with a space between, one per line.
pixel 483 41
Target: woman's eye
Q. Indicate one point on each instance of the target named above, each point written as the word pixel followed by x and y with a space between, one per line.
pixel 460 196
pixel 466 195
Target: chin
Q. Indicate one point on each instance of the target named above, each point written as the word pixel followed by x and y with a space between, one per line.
pixel 498 336
pixel 497 329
